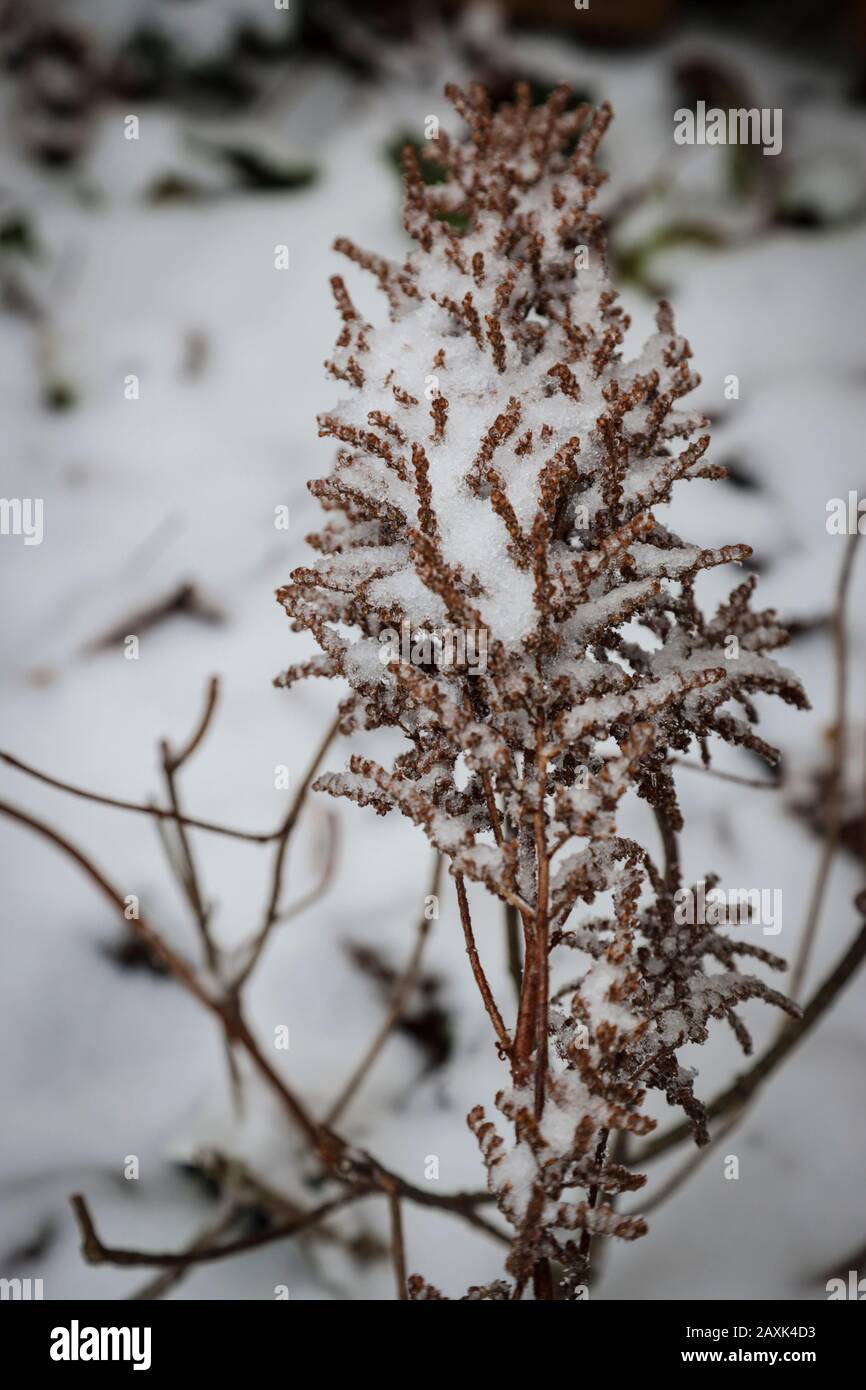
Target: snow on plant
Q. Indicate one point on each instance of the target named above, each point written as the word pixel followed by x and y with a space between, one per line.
pixel 499 469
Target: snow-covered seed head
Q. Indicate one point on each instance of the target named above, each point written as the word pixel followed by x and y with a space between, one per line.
pixel 499 468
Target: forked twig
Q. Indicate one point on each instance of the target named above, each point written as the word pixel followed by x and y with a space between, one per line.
pixel 97 1253
pixel 174 761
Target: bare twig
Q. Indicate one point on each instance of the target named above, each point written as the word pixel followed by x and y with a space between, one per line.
pixel 325 878
pixel 856 1260
pixel 226 1010
pixel 185 599
pixel 599 1246
pixel 189 873
pixel 182 860
pixel 402 994
pixel 96 1253
pixel 765 784
pixel 477 968
pixel 398 1248
pixel 512 924
pixel 174 761
pixel 212 1235
pixel 670 847
pixel 272 909
pixel 694 1161
pixel 542 942
pixel 337 1156
pixel 142 808
pixel 834 792
pixel 461 1204
pixel 593 1194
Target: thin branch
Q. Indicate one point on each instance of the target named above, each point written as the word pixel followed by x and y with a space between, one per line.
pixel 189 871
pixel 670 846
pixel 398 1247
pixel 694 1161
pixel 834 792
pixel 185 599
pixel 402 994
pixel 272 910
pixel 176 760
pixel 306 900
pixel 167 957
pixel 478 970
pixel 759 784
pixel 96 1253
pixel 512 926
pixel 250 1193
pixel 592 1201
pixel 170 1277
pixel 600 1245
pixel 461 1204
pixel 742 1087
pixel 542 943
pixel 856 1260
pixel 512 942
pixel 141 808
pixel 326 875
pixel 360 1174
pixel 226 1010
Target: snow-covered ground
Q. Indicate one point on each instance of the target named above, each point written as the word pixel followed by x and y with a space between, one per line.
pixel 181 485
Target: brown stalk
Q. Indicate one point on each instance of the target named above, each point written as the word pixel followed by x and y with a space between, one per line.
pixel 97 1253
pixel 398 1248
pixel 478 971
pixel 542 947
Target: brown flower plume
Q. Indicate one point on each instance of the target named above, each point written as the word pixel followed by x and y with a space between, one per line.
pixel 494 496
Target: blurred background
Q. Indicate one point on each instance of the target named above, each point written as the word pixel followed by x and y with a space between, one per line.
pixel 160 380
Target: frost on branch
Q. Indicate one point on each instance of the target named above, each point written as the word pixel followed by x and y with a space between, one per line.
pixel 498 471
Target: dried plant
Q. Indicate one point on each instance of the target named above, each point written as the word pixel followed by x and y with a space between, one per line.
pixel 519 506
pixel 498 477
